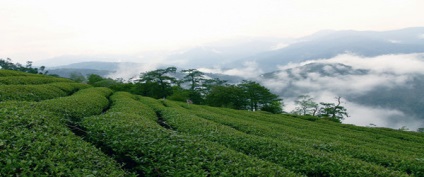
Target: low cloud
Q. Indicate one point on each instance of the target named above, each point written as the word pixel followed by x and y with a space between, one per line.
pixel 279 46
pixel 349 76
pixel 421 36
pixel 380 117
pixel 131 71
pixel 249 70
pixel 371 72
pixel 395 63
pixel 361 115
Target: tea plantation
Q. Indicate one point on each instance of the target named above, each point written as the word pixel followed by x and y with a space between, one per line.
pixel 54 127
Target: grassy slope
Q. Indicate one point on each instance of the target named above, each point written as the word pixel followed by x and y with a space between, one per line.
pixel 164 138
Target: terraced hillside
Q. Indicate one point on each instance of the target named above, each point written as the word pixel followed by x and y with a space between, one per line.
pixel 54 127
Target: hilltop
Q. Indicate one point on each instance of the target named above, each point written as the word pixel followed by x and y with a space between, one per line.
pixel 55 127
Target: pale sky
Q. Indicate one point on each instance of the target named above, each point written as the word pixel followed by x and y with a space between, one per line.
pixel 42 29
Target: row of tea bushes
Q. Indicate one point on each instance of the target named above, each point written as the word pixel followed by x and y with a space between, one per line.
pixel 295 157
pixel 390 140
pixel 39 92
pixel 7 73
pixel 35 142
pixel 30 80
pixel 86 102
pixel 401 160
pixel 130 132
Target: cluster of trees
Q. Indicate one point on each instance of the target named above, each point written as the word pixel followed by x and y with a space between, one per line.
pixel 332 111
pixel 196 88
pixel 9 65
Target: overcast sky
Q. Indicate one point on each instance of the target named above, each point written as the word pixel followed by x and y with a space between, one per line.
pixel 42 29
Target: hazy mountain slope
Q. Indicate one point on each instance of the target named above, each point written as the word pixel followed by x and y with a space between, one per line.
pixel 92 131
pixel 224 53
pixel 97 65
pixel 397 97
pixel 103 69
pixel 66 72
pixel 329 44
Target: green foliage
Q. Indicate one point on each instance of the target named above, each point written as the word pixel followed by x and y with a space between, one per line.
pixel 333 112
pixel 179 94
pixel 386 147
pixel 34 142
pixel 70 87
pixel 227 96
pixel 28 80
pixel 257 95
pixel 130 131
pixel 306 106
pixel 9 65
pixel 8 73
pixel 87 102
pixel 348 141
pixel 165 138
pixel 194 78
pixel 296 157
pixel 38 92
pixel 157 83
pixel 274 107
pixel 93 78
pixel 152 89
pixel 77 77
pixel 247 95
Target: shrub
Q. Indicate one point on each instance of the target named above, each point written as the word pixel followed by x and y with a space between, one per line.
pixel 33 142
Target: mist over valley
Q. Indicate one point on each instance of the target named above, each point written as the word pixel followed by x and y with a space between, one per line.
pixel 378 74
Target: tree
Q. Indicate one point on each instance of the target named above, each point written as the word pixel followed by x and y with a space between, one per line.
pixel 421 130
pixel 332 111
pixel 93 78
pixel 208 84
pixel 404 128
pixel 194 77
pixel 230 96
pixel 7 64
pixel 77 77
pixel 179 94
pixel 306 106
pixel 158 79
pixel 257 95
pixel 275 107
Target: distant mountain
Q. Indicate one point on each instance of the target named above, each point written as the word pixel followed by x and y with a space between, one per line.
pixel 70 59
pixel 66 72
pixel 328 44
pixel 322 69
pixel 97 65
pixel 103 69
pixel 108 69
pixel 224 53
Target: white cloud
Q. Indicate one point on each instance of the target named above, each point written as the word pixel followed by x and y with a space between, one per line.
pixel 386 71
pixel 392 118
pixel 132 71
pixel 393 63
pixel 363 115
pixel 398 64
pixel 250 70
pixel 279 46
pixel 62 28
pixel 395 41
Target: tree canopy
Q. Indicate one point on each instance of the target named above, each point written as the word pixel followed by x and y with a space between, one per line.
pixel 163 83
pixel 9 65
pixel 157 83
